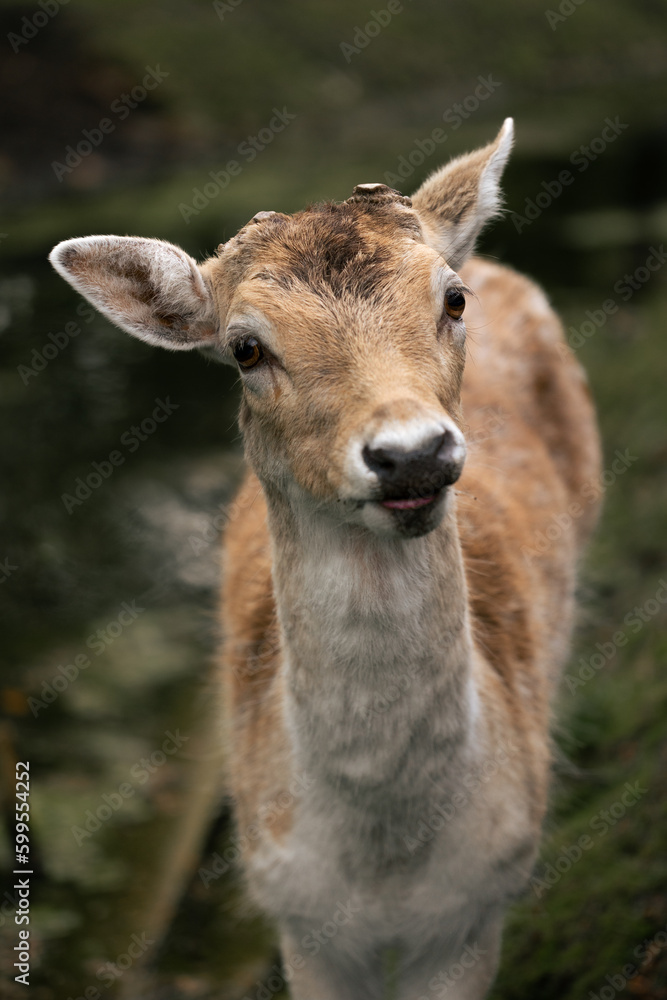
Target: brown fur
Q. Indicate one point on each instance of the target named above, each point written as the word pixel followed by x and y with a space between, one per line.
pixel 515 480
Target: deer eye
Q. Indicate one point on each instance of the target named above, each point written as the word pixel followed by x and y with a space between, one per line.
pixel 248 352
pixel 455 302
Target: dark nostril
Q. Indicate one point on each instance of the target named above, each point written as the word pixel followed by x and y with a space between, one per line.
pixel 392 461
pixel 381 459
pixel 447 445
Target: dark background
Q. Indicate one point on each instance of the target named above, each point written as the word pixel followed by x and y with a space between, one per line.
pixel 146 535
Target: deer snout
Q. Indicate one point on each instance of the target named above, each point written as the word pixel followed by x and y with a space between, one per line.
pixel 420 465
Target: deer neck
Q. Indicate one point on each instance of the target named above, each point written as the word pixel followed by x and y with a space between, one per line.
pixel 377 651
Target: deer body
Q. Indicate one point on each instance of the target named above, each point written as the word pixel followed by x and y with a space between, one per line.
pixel 391 643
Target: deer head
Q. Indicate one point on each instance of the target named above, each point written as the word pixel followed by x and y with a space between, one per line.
pixel 345 322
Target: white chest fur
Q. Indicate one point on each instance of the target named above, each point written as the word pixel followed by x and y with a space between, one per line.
pixel 385 719
pixel 377 660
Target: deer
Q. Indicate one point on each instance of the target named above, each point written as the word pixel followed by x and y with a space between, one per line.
pixel 412 421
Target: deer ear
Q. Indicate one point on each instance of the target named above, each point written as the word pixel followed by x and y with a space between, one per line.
pixel 149 288
pixel 455 203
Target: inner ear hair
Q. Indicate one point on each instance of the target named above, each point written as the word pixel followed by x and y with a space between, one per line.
pixel 456 202
pixel 150 288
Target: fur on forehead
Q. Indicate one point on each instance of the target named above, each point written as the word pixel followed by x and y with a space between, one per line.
pixel 347 247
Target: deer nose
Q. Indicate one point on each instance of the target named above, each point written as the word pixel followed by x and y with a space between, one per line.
pixel 437 462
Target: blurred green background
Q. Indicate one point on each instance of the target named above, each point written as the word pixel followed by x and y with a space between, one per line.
pixel 108 600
